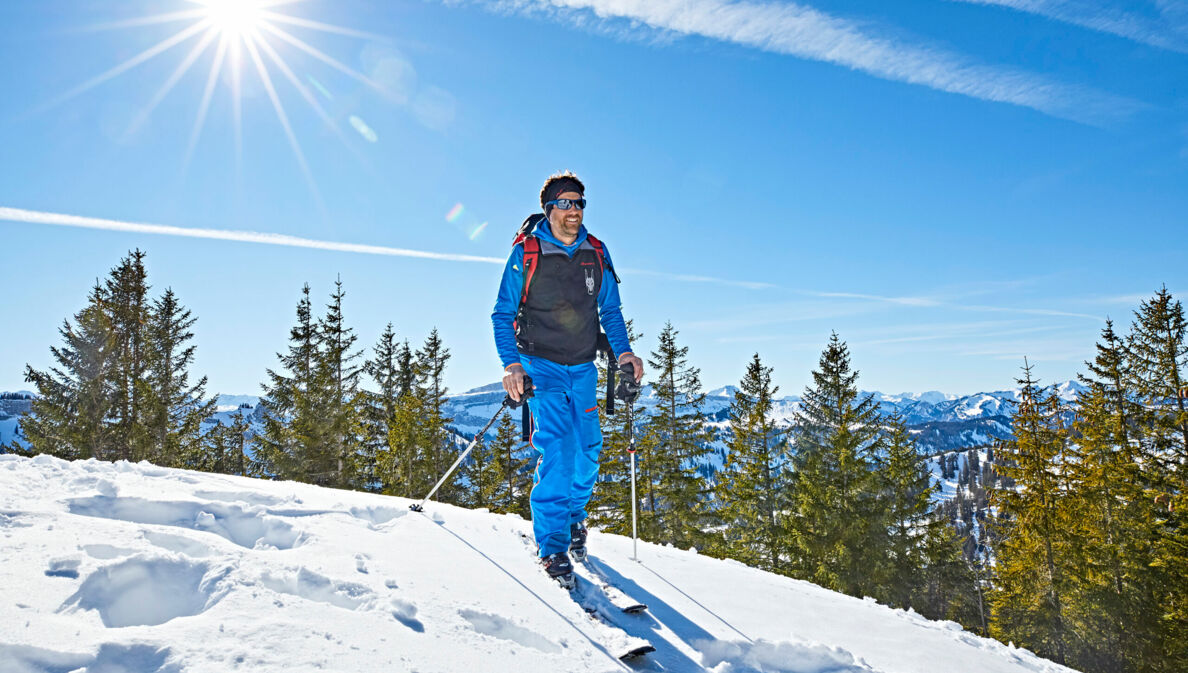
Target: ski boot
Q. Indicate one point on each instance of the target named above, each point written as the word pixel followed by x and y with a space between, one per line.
pixel 577 541
pixel 559 568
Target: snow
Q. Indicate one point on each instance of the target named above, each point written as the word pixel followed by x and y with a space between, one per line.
pixel 132 567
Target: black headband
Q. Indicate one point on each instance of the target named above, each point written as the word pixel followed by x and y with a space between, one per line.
pixel 561 186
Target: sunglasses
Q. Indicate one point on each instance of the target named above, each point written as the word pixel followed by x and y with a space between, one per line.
pixel 566 204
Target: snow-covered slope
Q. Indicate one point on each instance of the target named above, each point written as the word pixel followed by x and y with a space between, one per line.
pixel 122 567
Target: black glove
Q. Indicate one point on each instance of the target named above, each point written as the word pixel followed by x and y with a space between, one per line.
pixel 512 404
pixel 628 388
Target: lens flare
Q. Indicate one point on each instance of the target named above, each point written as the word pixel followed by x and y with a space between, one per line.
pixel 454 213
pixel 477 231
pixel 320 89
pixel 364 130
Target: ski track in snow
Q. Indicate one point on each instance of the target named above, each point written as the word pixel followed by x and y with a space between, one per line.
pixel 112 567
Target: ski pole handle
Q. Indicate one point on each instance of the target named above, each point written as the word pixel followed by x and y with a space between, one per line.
pixel 528 392
pixel 628 387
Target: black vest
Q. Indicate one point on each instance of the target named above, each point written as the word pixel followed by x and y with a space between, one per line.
pixel 558 315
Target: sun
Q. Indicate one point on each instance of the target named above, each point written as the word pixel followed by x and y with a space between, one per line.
pixel 234 17
pixel 244 36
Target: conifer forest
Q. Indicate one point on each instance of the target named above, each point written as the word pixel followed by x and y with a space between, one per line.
pixel 1068 537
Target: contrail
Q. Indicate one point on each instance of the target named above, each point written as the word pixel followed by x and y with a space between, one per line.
pixel 35 217
pixel 59 219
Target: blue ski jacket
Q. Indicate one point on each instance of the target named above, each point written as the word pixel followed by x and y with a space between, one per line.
pixel 507 303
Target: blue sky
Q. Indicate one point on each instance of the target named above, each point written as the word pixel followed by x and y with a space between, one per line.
pixel 950 185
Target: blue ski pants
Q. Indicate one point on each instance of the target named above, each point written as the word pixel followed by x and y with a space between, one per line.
pixel 566 433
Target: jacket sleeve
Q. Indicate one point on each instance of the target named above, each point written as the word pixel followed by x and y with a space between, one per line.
pixel 507 303
pixel 610 310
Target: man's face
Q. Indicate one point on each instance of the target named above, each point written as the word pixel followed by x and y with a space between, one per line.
pixel 565 223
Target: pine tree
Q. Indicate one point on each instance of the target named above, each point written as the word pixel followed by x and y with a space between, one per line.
pixel 121 389
pixel 907 489
pixel 69 414
pixel 750 492
pixel 677 496
pixel 127 306
pixel 512 466
pixel 1157 361
pixel 440 449
pixel 238 436
pixel 402 465
pixel 174 409
pixel 292 444
pixel 1112 614
pixel 381 406
pixel 342 400
pixel 1032 578
pixel 838 524
pixel 1157 357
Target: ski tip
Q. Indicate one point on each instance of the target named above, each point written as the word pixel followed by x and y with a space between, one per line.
pixel 637 652
pixel 635 609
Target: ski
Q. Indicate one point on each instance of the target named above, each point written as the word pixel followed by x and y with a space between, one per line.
pixel 614 594
pixel 600 609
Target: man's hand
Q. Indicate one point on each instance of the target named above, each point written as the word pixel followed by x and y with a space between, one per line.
pixel 513 381
pixel 635 362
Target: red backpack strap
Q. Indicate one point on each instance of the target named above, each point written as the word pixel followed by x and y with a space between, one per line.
pixel 601 253
pixel 531 257
pixel 603 262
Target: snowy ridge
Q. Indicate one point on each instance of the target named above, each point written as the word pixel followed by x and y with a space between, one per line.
pixel 118 566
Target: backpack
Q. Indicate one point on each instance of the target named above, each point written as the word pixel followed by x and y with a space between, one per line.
pixel 532 252
pixel 531 245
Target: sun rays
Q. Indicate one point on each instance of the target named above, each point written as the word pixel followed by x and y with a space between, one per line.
pixel 241 33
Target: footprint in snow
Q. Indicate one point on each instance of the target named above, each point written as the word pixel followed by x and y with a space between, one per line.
pixel 148 591
pixel 504 629
pixel 405 613
pixel 63 567
pixel 247 529
pixel 312 586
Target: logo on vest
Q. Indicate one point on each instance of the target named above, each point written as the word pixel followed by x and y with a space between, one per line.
pixel 589 281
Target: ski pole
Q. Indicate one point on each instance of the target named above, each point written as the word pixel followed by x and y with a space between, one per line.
pixel 627 391
pixel 631 450
pixel 508 402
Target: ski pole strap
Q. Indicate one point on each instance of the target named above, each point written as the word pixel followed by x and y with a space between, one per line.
pixel 611 368
pixel 525 415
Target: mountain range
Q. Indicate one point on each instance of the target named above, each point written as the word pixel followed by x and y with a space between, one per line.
pixel 940 422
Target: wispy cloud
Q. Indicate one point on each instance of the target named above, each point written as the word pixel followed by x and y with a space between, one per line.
pixel 1169 30
pixel 1027 311
pixel 903 301
pixel 688 278
pixel 804 32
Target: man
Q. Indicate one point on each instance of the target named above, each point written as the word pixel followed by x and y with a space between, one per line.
pixel 550 333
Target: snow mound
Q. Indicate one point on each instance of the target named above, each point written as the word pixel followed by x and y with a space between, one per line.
pixel 110 568
pixel 784 657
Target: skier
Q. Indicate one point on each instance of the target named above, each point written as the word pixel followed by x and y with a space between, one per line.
pixel 557 287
